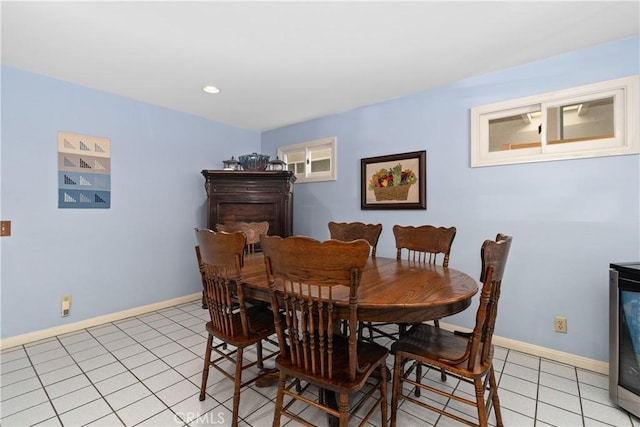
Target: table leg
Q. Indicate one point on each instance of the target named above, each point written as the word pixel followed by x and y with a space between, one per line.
pixel 330 400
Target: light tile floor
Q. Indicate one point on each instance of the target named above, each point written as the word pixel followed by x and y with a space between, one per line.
pixel 146 371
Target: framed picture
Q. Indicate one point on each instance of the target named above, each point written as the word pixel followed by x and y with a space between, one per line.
pixel 398 181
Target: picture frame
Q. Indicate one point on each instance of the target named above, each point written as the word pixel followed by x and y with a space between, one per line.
pixel 379 174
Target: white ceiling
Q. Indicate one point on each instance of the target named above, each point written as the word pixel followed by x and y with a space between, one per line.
pixel 280 63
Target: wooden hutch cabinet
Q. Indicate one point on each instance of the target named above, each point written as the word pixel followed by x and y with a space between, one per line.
pixel 250 196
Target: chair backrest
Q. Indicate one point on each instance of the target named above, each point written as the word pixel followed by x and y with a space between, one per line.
pixel 219 257
pixel 424 243
pixel 494 259
pixel 348 231
pixel 308 275
pixel 252 230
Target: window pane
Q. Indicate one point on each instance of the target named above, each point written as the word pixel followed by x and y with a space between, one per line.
pixel 300 168
pixel 513 132
pixel 295 156
pixel 321 153
pixel 321 165
pixel 580 122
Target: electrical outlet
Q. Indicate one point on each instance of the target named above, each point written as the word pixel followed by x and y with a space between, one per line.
pixel 560 324
pixel 66 305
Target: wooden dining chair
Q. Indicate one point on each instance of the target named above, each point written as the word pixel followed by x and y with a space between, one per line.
pixel 253 231
pixel 305 278
pixel 233 322
pixel 466 356
pixel 348 231
pixel 425 244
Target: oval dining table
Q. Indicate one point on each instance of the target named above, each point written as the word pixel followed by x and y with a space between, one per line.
pixel 391 290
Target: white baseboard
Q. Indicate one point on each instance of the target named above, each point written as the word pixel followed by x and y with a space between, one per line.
pixel 547 353
pixel 535 350
pixel 95 321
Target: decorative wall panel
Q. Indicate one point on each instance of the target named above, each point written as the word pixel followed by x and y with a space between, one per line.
pixel 84 171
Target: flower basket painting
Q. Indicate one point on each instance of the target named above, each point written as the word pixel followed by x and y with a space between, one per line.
pixel 394 182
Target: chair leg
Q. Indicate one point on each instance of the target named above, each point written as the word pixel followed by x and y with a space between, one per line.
pixel 343 409
pixel 395 388
pixel 402 329
pixel 259 351
pixel 418 377
pixel 383 393
pixel 236 387
pixel 482 410
pixel 205 370
pixel 282 382
pixel 443 374
pixel 494 398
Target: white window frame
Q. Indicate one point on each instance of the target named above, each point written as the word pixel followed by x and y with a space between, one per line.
pixel 625 140
pixel 309 147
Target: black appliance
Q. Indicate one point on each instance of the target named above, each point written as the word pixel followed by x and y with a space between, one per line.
pixel 624 336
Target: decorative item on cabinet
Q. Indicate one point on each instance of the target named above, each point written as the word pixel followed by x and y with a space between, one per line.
pixel 277 165
pixel 254 161
pixel 231 164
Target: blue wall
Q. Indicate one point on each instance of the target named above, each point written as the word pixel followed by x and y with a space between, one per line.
pixel 569 219
pixel 138 252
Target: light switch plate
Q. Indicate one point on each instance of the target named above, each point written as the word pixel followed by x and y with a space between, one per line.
pixel 5 228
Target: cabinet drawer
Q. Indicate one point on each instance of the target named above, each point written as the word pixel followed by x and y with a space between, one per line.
pixel 236 188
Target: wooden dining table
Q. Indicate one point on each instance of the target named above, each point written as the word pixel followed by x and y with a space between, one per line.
pixel 391 290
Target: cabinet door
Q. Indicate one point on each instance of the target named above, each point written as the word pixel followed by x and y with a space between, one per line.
pixel 231 209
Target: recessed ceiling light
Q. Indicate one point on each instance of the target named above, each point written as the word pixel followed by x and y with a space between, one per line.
pixel 211 89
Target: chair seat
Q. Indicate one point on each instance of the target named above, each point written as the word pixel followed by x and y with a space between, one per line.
pixel 370 355
pixel 436 346
pixel 262 326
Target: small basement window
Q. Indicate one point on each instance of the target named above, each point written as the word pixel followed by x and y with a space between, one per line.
pixel 311 161
pixel 587 121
